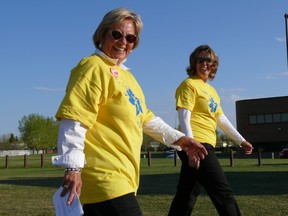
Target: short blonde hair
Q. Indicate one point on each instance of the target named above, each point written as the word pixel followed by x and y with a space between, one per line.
pixel 113 18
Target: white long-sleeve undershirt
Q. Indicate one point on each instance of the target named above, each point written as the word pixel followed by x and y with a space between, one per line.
pixel 161 131
pixel 184 116
pixel 225 125
pixel 229 129
pixel 72 136
pixel 70 145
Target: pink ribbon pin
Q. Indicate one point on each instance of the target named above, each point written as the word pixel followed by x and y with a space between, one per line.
pixel 114 72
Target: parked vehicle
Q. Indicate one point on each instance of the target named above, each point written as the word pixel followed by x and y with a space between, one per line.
pixel 172 156
pixel 170 152
pixel 284 153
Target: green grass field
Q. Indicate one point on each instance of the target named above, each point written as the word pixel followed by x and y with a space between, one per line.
pixel 259 190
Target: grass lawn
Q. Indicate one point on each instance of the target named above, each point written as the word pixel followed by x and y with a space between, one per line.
pixel 259 190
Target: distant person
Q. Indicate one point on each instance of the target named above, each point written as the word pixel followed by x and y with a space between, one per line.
pixel 199 112
pixel 102 119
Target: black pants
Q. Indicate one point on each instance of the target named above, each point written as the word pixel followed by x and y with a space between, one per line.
pixel 211 176
pixel 126 205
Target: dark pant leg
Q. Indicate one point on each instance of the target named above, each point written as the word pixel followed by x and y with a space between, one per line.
pixel 187 190
pixel 126 205
pixel 214 181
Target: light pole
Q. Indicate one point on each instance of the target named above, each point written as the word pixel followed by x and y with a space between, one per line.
pixel 286 18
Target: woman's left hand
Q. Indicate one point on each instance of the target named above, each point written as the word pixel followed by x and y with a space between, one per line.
pixel 194 162
pixel 247 147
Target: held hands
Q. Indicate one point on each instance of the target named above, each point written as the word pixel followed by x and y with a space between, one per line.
pixel 247 147
pixel 194 150
pixel 71 182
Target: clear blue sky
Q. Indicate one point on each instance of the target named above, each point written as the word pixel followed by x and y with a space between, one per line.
pixel 41 41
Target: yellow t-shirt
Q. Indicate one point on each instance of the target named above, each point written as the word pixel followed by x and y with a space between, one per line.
pixel 204 103
pixel 110 102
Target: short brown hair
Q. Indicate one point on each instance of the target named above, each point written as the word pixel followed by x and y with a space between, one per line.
pixel 191 69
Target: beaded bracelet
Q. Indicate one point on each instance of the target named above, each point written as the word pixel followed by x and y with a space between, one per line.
pixel 73 170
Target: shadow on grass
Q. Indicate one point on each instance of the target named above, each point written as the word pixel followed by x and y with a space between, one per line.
pixel 243 183
pixel 53 182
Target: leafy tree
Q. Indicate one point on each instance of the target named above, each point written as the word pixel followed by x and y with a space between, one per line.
pixel 38 132
pixel 146 142
pixel 4 138
pixel 12 138
pixel 5 142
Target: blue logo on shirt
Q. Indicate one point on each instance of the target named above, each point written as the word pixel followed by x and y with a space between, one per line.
pixel 213 105
pixel 134 101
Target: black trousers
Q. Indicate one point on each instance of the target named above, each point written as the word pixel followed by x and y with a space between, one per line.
pixel 211 176
pixel 126 205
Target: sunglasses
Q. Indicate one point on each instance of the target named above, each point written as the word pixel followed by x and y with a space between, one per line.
pixel 202 59
pixel 117 35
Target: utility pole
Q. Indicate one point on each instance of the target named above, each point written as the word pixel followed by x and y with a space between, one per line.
pixel 286 25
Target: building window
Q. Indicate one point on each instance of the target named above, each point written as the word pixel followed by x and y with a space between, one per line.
pixel 268 118
pixel 276 117
pixel 252 119
pixel 260 119
pixel 284 117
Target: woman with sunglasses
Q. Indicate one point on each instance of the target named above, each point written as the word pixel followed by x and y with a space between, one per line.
pixel 102 119
pixel 199 112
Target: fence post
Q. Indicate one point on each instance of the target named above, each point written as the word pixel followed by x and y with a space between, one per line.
pixel 149 158
pixel 6 161
pixel 231 158
pixel 259 157
pixel 175 158
pixel 42 160
pixel 25 161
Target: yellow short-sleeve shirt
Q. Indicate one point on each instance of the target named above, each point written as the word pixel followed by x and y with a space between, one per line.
pixel 203 101
pixel 110 103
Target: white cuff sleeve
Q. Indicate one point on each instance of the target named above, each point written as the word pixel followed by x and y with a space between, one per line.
pixel 159 130
pixel 229 129
pixel 184 116
pixel 70 145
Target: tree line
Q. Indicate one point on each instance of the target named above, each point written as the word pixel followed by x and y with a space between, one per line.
pixel 36 132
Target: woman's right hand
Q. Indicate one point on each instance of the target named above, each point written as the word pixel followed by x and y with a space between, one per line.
pixel 192 147
pixel 72 182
